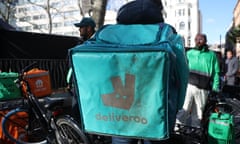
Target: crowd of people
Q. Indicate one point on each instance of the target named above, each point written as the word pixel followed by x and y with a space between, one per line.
pixel 204 65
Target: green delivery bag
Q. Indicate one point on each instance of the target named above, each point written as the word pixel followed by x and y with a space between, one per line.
pixel 130 80
pixel 8 89
pixel 221 129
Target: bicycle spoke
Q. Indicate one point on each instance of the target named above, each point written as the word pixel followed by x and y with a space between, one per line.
pixel 70 131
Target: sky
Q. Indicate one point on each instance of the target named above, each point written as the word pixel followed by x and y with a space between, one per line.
pixel 216 18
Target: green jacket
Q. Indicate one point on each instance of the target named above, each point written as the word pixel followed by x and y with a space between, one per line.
pixel 204 68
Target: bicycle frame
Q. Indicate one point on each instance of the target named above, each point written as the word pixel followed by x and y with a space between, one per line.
pixel 41 114
pixel 44 115
pixel 36 110
pixel 37 122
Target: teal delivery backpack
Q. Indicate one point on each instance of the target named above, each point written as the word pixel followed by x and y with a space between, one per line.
pixel 130 80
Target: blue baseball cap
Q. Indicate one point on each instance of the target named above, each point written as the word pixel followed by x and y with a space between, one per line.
pixel 86 21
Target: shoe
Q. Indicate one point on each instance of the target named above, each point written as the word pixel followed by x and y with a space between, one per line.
pixel 177 129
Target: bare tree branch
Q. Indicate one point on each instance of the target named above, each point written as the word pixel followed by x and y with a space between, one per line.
pixel 80 6
pixel 7 9
pixel 95 8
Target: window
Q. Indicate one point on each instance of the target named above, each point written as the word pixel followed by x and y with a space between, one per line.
pixel 180 1
pixel 57 24
pixel 35 27
pixel 189 12
pixel 189 41
pixel 22 19
pixel 22 10
pixel 181 12
pixel 68 23
pixel 165 3
pixel 43 26
pixel 42 16
pixel 28 18
pixel 36 17
pixel 181 25
pixel 189 25
pixel 28 28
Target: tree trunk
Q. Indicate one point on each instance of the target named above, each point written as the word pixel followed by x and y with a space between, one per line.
pixel 99 10
pixel 49 16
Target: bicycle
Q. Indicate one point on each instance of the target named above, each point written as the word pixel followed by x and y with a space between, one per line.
pixel 218 104
pixel 39 123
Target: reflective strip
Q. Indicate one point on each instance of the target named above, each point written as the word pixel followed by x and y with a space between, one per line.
pixel 37 74
pixel 201 73
pixel 220 122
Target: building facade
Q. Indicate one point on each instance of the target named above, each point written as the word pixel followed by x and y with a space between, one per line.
pixel 184 15
pixel 236 23
pixel 236 14
pixel 56 17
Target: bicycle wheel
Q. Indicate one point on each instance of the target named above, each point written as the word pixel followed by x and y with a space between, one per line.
pixel 69 132
pixel 16 127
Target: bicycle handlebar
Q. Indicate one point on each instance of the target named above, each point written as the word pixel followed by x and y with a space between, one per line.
pixel 21 74
pixel 28 67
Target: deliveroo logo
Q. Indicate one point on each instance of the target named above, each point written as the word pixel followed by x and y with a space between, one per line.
pixel 39 83
pixel 123 94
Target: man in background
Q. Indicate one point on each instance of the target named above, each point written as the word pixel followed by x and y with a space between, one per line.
pixel 86 28
pixel 231 68
pixel 203 77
